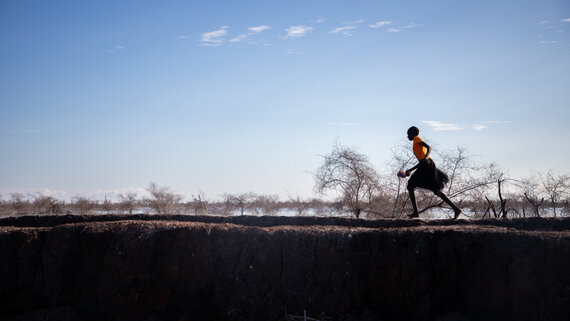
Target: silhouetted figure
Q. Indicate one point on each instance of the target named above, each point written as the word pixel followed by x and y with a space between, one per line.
pixel 426 174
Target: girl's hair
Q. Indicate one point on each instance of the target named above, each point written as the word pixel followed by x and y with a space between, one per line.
pixel 414 131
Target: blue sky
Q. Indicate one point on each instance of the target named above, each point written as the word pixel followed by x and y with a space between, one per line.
pixel 236 96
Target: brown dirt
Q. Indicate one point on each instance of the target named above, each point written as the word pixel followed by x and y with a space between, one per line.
pixel 275 268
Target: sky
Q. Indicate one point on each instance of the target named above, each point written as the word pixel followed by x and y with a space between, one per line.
pixel 214 97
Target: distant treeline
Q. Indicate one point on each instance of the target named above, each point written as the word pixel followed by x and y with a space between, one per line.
pixel 358 190
pixel 163 201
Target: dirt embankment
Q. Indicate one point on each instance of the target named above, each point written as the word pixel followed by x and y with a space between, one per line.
pixel 251 268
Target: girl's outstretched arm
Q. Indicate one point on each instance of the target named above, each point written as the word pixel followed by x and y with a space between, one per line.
pixel 428 149
pixel 409 171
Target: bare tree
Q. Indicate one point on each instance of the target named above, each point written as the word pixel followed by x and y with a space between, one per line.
pixel 107 206
pixel 300 205
pixel 46 204
pixel 556 187
pixel 4 206
pixel 467 181
pixel 533 193
pixel 395 187
pixel 128 202
pixel 351 176
pixel 240 202
pixel 82 205
pixel 200 205
pixel 19 202
pixel 502 210
pixel 267 204
pixel 217 207
pixel 162 200
pixel 324 208
pixel 465 177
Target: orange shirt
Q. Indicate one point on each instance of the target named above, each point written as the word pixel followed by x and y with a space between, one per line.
pixel 419 150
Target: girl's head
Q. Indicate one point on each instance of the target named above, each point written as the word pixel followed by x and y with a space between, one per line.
pixel 413 132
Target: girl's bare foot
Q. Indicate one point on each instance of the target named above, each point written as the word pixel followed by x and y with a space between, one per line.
pixel 414 215
pixel 457 213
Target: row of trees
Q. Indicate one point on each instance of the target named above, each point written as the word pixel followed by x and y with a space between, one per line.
pixel 356 188
pixel 482 190
pixel 162 200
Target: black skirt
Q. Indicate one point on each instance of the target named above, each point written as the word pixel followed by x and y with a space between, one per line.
pixel 428 176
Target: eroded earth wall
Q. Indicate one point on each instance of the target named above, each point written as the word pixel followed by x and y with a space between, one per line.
pixel 170 268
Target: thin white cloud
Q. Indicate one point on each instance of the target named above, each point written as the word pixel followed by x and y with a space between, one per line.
pixel 181 37
pixel 214 38
pixel 258 29
pixel 380 24
pixel 548 41
pixel 544 22
pixel 137 190
pixel 320 20
pixel 296 52
pixel 252 31
pixel 408 27
pixel 116 49
pixel 440 126
pixel 347 31
pixel 55 193
pixel 353 22
pixel 412 25
pixel 297 31
pixel 496 122
pixel 239 38
pixel 487 123
pixel 113 194
pixel 479 127
pixel 565 20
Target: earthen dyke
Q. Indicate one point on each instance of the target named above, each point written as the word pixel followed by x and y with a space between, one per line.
pixel 145 267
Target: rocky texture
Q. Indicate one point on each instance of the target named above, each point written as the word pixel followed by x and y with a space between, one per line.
pixel 251 268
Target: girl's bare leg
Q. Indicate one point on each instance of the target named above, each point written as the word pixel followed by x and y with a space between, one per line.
pixel 444 197
pixel 414 205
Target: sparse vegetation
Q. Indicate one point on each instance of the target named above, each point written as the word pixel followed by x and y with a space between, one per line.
pixel 351 175
pixel 358 190
pixel 162 200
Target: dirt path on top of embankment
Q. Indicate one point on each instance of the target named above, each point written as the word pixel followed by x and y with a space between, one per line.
pixel 536 224
pixel 148 267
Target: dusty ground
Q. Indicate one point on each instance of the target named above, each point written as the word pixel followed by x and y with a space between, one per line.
pixel 144 267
